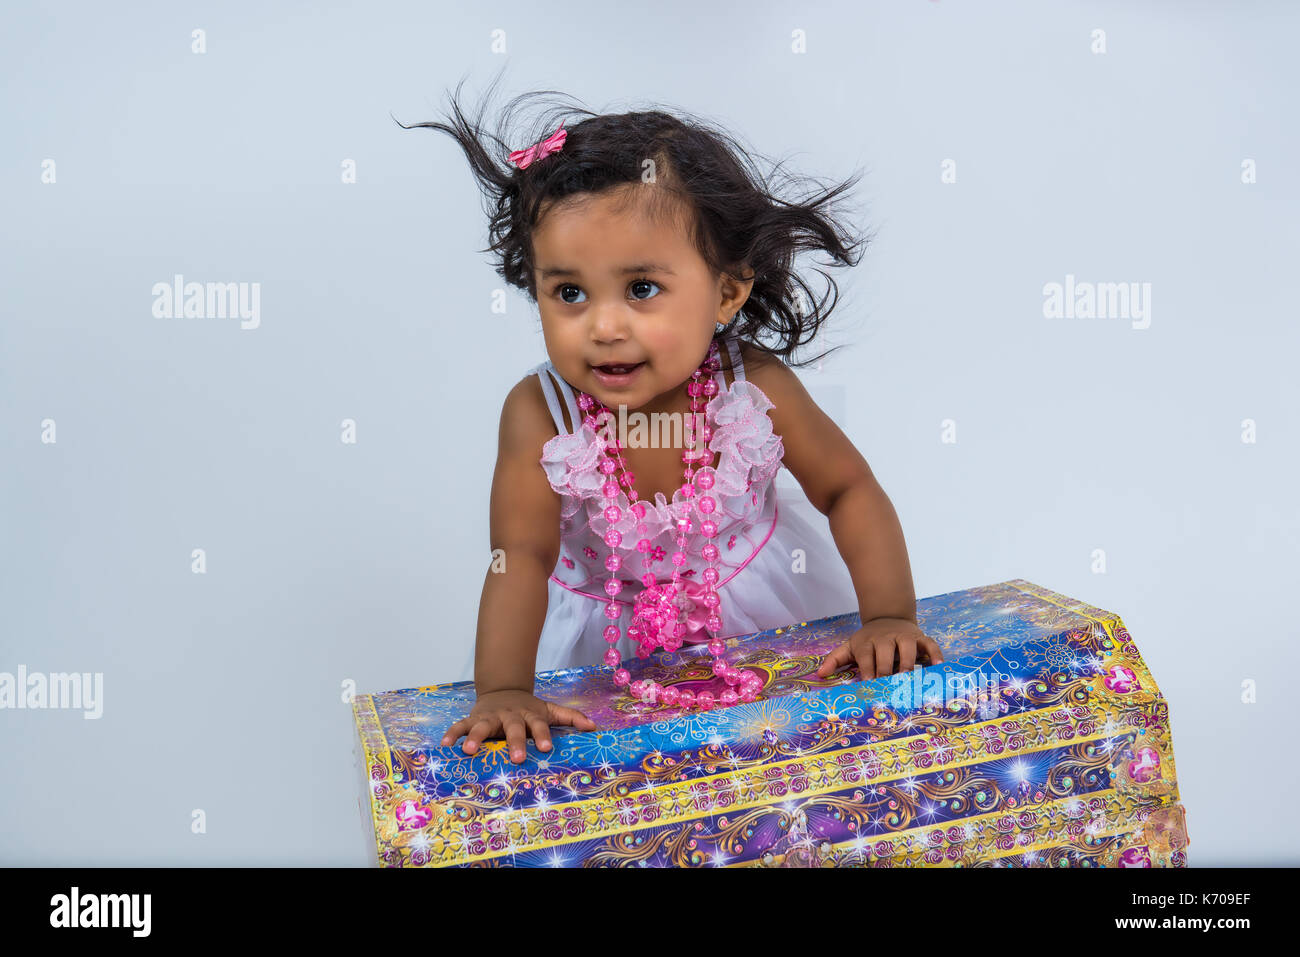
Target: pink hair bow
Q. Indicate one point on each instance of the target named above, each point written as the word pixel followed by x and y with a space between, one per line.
pixel 524 158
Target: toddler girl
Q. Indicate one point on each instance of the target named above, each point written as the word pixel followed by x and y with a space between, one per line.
pixel 632 504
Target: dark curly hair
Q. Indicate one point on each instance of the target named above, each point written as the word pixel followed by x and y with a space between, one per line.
pixel 737 216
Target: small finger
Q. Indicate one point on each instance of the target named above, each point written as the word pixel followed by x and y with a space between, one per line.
pixel 541 731
pixel 906 655
pixel 454 732
pixel 481 729
pixel 517 737
pixel 866 663
pixel 836 660
pixel 560 714
pixel 933 649
pixel 884 657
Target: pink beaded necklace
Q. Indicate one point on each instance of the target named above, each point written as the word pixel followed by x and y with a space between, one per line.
pixel 660 609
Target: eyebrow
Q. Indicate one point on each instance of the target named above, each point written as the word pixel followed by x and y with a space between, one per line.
pixel 548 272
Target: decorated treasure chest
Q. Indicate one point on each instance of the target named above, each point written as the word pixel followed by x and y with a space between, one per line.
pixel 1040 740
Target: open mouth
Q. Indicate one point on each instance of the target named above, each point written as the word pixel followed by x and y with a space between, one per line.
pixel 619 369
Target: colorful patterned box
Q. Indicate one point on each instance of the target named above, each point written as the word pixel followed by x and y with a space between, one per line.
pixel 1041 740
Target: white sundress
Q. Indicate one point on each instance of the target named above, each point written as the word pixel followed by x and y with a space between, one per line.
pixel 763 580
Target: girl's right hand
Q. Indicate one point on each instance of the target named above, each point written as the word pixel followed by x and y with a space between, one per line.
pixel 516 715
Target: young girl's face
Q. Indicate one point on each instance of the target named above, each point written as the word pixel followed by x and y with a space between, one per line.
pixel 617 287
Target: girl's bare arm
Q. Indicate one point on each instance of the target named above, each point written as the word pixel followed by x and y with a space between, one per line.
pixel 525 526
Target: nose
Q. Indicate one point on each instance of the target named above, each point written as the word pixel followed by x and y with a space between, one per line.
pixel 609 324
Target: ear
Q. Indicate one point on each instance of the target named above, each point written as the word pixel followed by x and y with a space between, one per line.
pixel 733 293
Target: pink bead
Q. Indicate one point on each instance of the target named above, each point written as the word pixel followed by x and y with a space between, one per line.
pixel 688 490
pixel 636 687
pixel 679 630
pixel 717 646
pixel 710 552
pixel 622 677
pixel 713 623
pixel 633 631
pixel 711 387
pixel 747 694
pixel 614 562
pixel 679 558
pixel 719 666
pixel 692 388
pixel 613 513
pixel 644 652
pixel 585 401
pixel 728 698
pixel 610 489
pixel 612 657
pixel 710 575
pixel 643 545
pixel 648 579
pixel 613 609
pixel 708 528
pixel 589 421
pixel 708 432
pixel 704 700
pixel 613 587
pixel 627 479
pixel 704 480
pixel 638 510
pixel 612 633
pixel 687 698
pixel 711 599
pixel 671 697
pixel 608 466
pixel 707 504
pixel 613 537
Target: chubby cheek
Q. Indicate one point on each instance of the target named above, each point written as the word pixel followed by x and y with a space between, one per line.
pixel 673 355
pixel 566 352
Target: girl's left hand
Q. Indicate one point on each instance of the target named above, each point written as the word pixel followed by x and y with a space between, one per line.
pixel 878 643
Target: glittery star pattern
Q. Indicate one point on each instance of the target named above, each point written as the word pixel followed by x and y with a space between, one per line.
pixel 1041 740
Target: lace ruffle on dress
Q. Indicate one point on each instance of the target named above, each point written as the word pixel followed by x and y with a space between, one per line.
pixel 764 581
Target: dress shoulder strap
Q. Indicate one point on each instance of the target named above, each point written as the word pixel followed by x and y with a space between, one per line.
pixel 737 367
pixel 550 381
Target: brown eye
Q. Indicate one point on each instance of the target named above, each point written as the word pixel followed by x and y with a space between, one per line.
pixel 638 283
pixel 562 290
